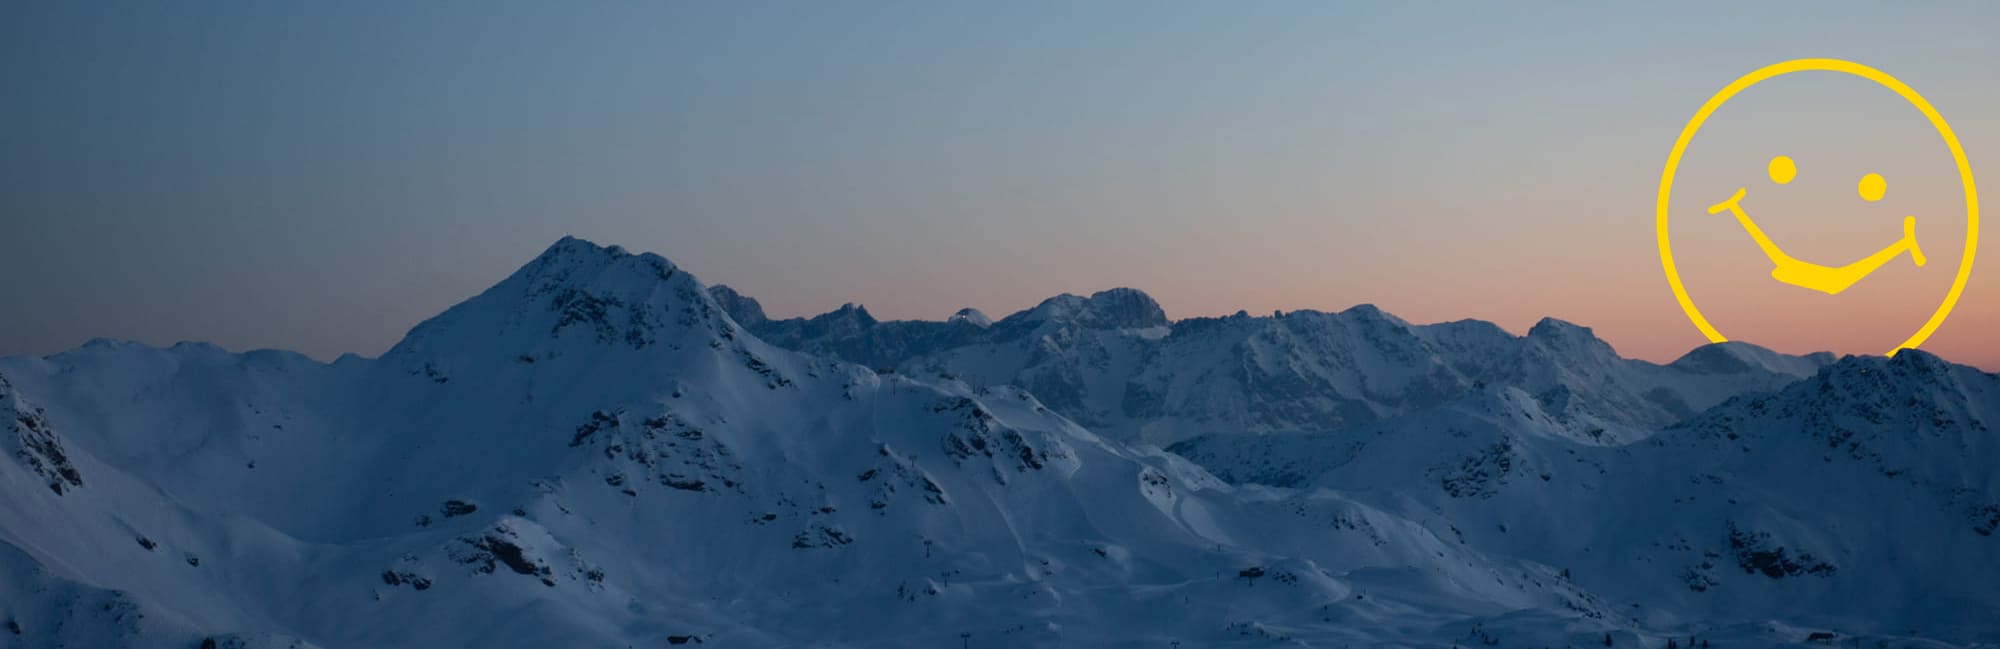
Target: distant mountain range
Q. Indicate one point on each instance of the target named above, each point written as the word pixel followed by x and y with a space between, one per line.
pixel 602 451
pixel 1114 363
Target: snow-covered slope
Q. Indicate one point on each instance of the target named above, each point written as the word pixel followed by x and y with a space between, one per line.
pixel 1113 362
pixel 596 452
pixel 1861 499
pixel 592 453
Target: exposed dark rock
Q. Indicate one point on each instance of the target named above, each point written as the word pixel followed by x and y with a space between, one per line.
pixel 487 552
pixel 394 578
pixel 1985 519
pixel 1755 554
pixel 821 536
pixel 599 420
pixel 36 443
pixel 1481 474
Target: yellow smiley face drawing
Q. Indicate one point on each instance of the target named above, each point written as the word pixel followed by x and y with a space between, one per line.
pixel 1804 274
pixel 1870 187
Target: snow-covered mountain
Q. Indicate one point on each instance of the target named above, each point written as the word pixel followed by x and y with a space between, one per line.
pixel 1114 363
pixel 1862 498
pixel 602 451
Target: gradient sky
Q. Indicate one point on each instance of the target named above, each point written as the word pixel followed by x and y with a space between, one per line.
pixel 322 176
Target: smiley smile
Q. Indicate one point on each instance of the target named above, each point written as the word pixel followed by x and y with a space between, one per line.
pixel 1825 279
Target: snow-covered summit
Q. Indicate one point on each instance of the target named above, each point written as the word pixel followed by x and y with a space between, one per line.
pixel 1736 356
pixel 576 293
pixel 742 308
pixel 1117 308
pixel 971 316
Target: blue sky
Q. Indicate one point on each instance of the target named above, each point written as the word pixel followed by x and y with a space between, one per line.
pixel 320 177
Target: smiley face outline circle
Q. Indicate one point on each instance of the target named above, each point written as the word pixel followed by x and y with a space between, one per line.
pixel 1830 65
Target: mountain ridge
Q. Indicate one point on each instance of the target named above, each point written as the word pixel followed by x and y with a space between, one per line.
pixel 1141 377
pixel 595 451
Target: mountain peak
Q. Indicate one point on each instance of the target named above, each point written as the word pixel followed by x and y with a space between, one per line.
pixel 1550 327
pixel 847 321
pixel 1370 313
pixel 575 288
pixel 1919 359
pixel 1560 334
pixel 1909 370
pixel 745 310
pixel 1117 308
pixel 1737 356
pixel 572 244
pixel 1365 309
pixel 971 316
pixel 569 255
pixel 1906 382
pixel 853 310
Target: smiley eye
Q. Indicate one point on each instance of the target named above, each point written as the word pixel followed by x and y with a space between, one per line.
pixel 1871 187
pixel 1783 170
